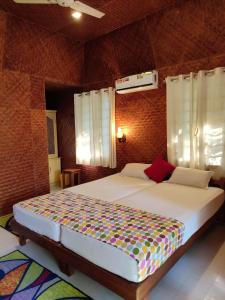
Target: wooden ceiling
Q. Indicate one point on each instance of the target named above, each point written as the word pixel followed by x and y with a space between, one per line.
pixel 58 19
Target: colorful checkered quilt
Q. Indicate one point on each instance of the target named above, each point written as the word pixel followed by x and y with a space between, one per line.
pixel 148 238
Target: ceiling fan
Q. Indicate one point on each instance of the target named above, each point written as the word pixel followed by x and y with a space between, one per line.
pixel 76 5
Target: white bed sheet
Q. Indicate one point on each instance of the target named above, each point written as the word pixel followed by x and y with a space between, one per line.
pixel 112 187
pixel 37 223
pixel 192 206
pixel 109 188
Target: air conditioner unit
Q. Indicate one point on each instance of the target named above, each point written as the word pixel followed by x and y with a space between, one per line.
pixel 135 83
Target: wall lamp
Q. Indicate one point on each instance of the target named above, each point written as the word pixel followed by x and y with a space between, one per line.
pixel 121 135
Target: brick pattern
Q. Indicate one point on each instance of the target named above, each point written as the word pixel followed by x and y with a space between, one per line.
pixel 29 57
pixel 16 172
pixel 3 18
pixel 40 152
pixel 31 49
pixel 190 31
pixel 37 100
pixel 144 116
pixel 124 52
pixel 39 135
pixel 23 141
pixel 180 39
pixel 56 19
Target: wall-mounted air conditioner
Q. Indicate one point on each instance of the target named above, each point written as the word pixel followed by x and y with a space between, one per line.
pixel 135 83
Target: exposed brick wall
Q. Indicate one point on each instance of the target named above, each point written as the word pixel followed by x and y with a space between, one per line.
pixel 144 116
pixel 29 57
pixel 123 52
pixel 192 30
pixel 2 36
pixel 180 39
pixel 32 50
pixel 16 155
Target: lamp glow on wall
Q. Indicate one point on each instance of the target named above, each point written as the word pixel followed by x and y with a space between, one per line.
pixel 121 135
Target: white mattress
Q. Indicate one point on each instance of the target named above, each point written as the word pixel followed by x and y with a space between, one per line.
pixel 192 206
pixel 37 223
pixel 110 188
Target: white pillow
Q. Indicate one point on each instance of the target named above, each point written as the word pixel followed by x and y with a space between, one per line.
pixel 135 170
pixel 191 177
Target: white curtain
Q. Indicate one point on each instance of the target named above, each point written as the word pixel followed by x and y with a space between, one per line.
pixel 196 120
pixel 95 128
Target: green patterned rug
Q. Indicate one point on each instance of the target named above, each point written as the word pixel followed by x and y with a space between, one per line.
pixel 5 220
pixel 23 278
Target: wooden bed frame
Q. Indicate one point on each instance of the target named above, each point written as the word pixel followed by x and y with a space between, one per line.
pixel 128 290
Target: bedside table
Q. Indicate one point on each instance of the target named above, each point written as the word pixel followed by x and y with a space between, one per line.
pixel 71 172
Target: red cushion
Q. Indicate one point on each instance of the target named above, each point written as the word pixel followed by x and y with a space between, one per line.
pixel 159 169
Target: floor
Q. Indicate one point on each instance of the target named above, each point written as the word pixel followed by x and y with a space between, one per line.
pixel 199 274
pixel 55 188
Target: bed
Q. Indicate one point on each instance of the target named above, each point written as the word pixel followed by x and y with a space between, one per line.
pixel 110 188
pixel 163 199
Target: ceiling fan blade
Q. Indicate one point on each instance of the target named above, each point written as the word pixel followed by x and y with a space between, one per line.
pixel 35 1
pixel 84 8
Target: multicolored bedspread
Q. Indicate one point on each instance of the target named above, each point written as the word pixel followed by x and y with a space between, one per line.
pixel 148 238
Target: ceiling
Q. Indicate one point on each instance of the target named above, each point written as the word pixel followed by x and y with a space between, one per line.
pixel 58 19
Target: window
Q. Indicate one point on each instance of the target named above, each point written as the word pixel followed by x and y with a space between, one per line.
pixel 95 128
pixel 196 120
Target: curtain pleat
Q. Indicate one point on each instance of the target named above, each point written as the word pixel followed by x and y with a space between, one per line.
pixel 95 128
pixel 196 120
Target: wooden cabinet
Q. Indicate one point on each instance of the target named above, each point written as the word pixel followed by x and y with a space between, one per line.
pixel 54 165
pixel 54 161
pixel 52 133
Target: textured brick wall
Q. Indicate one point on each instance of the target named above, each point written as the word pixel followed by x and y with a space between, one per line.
pixel 143 115
pixel 32 50
pixel 181 39
pixel 2 36
pixel 23 152
pixel 188 37
pixel 29 57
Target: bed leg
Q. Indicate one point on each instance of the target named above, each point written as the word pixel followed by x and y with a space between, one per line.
pixel 22 240
pixel 65 268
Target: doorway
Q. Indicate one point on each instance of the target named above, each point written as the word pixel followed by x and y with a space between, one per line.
pixel 61 132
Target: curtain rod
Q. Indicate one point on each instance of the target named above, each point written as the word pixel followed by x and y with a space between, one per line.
pixel 173 78
pixel 96 92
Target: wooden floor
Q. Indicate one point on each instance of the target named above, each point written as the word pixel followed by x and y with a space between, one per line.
pixel 199 275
